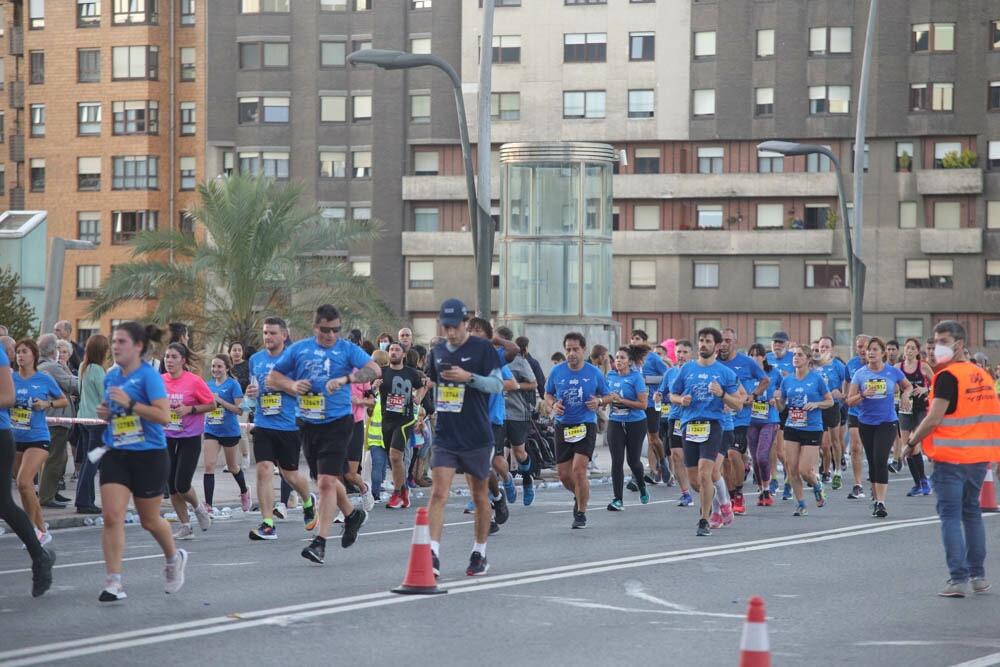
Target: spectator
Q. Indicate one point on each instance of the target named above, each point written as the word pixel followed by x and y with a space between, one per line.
pixel 62 330
pixel 55 465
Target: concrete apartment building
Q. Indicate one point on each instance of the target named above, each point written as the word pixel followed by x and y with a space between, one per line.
pixel 711 232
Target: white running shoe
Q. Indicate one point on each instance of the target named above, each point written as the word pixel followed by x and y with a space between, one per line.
pixel 173 573
pixel 367 499
pixel 340 517
pixel 184 532
pixel 113 591
pixel 280 510
pixel 203 517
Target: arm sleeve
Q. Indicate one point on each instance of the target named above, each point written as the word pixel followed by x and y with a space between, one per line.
pixel 489 384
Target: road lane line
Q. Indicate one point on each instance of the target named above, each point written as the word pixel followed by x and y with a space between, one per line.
pixel 83 564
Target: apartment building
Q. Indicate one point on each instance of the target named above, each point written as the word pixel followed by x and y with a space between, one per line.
pixel 710 231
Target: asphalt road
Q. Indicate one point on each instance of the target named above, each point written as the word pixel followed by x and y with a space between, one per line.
pixel 635 587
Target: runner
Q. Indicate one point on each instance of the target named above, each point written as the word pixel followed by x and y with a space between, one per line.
pixel 92 373
pixel 919 375
pixel 705 388
pixel 804 394
pixel 682 350
pixel 853 365
pixel 275 436
pixel 519 404
pixel 779 358
pixel 222 430
pixel 318 370
pixel 400 392
pixel 625 428
pixel 362 399
pixel 376 444
pixel 465 370
pixel 834 372
pixel 892 359
pixel 652 367
pixel 763 424
pixel 241 372
pixel 137 465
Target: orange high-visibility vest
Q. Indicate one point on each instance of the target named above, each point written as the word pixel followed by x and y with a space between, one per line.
pixel 972 433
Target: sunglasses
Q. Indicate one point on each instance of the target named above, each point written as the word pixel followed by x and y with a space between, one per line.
pixel 329 330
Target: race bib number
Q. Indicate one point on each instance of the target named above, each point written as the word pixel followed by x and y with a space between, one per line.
pixel 312 406
pixel 216 417
pixel 574 433
pixel 677 428
pixel 797 418
pixel 906 412
pixel 759 410
pixel 698 431
pixel 619 412
pixel 878 386
pixel 175 421
pixel 395 403
pixel 665 409
pixel 450 398
pixel 126 430
pixel 20 418
pixel 270 404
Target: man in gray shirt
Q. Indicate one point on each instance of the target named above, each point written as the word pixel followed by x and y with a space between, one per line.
pixel 55 465
pixel 516 427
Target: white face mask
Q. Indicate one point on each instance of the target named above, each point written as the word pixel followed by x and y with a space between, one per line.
pixel 943 353
pixel 383 345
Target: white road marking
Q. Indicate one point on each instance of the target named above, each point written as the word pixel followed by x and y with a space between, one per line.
pixel 635 589
pixel 985 661
pixel 83 564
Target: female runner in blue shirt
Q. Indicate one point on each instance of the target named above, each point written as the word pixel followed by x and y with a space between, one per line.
pixel 626 424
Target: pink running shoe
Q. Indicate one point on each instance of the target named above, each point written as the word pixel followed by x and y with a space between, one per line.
pixel 727 514
pixel 715 521
pixel 245 501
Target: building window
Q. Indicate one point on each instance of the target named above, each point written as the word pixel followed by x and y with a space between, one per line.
pixel 904 148
pixel 591 47
pixel 88 174
pixel 709 216
pixel 264 6
pixel 992 274
pixel 816 216
pixel 361 164
pixel 134 12
pixel 420 108
pixel 227 163
pixel 186 223
pixel 942 149
pixel 584 104
pixel 274 164
pixel 642 46
pixel 422 45
pixel 125 225
pixel 135 172
pixel 995 35
pixel 829 40
pixel 88 280
pixel 361 44
pixel 421 275
pixel 909 328
pixel 88 65
pixel 640 104
pixel 425 163
pixel 275 110
pixel 88 119
pixel 829 99
pixel 642 273
pixel 3 68
pixel 586 2
pixel 361 107
pixel 187 58
pixel 994 99
pixel 506 49
pixel 332 54
pixel 826 274
pixel 763 330
pixel 187 12
pixel 505 106
pixel 361 214
pixel 704 102
pixel 332 108
pixel 3 127
pixel 646 218
pixel 267 55
pixel 36 67
pixel 187 165
pixel 36 14
pixel 706 274
pixel 647 161
pixel 88 225
pixel 765 43
pixel 769 216
pixel 907 215
pixel 704 44
pixel 817 163
pixel 333 5
pixel 135 62
pixel 334 214
pixel 932 274
pixel 362 5
pixel 929 37
pixel 766 274
pixel 991 333
pixel 333 164
pixel 710 159
pixel 764 102
pixel 135 117
pixel 993 214
pixel 188 118
pixel 362 269
pixel 38 120
pixel 37 174
pixel 947 215
pixel 932 96
pixel 425 219
pixel 770 163
pixel 88 13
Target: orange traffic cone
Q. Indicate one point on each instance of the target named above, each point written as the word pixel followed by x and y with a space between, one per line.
pixel 419 579
pixel 988 495
pixel 754 648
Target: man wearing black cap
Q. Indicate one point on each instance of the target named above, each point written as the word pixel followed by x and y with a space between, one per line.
pixel 465 369
pixel 779 358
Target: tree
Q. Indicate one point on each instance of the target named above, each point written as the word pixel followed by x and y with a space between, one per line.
pixel 15 312
pixel 263 255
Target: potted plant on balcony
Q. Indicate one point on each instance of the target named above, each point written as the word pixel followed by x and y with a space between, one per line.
pixel 904 162
pixel 832 218
pixel 968 159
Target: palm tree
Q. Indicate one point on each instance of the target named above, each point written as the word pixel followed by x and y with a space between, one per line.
pixel 263 254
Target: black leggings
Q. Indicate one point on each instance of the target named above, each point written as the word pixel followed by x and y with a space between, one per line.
pixel 184 454
pixel 625 441
pixel 9 510
pixel 877 441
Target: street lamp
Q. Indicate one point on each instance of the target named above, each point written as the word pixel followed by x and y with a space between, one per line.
pixel 855 267
pixel 54 281
pixel 479 219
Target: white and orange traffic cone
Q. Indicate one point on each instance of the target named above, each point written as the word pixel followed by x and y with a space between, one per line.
pixel 419 579
pixel 988 495
pixel 755 651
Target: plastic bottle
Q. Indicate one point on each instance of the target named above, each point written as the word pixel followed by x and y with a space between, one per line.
pixel 251 403
pixel 99 521
pixel 87 521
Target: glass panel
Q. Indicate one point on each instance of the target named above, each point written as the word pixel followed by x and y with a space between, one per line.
pixel 596 201
pixel 597 279
pixel 519 214
pixel 556 200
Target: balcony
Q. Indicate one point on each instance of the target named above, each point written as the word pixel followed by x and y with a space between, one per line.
pixel 16 44
pixel 16 94
pixel 950 181
pixel 436 188
pixel 721 186
pixel 16 147
pixel 723 242
pixel 438 244
pixel 951 241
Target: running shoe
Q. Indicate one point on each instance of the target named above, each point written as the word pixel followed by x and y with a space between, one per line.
pixel 856 493
pixel 914 491
pixel 184 532
pixel 880 511
pixel 435 565
pixel 113 591
pixel 367 499
pixel 246 502
pixel 979 585
pixel 477 565
pixel 727 513
pixel 264 532
pixel 715 521
pixel 925 487
pixel 826 478
pixel 843 463
pixel 203 517
pixel 644 496
pixel 405 495
pixel 686 499
pixel 703 529
pixel 665 474
pixel 953 589
pixel 895 465
pixel 801 509
pixel 173 573
pixel 528 495
pixel 280 510
pixel 208 508
pixel 494 528
pixel 510 490
pixel 773 486
pixel 579 520
pixel 500 509
pixel 41 573
pixel 316 551
pixel 396 502
pixel 768 500
pixel 760 499
pixel 340 516
pixel 632 486
pixel 352 525
pixel 469 509
pixel 820 495
pixel 649 479
pixel 309 514
pixel 616 506
pixel 739 504
pixel 837 481
pixel 787 493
